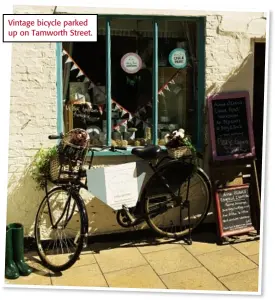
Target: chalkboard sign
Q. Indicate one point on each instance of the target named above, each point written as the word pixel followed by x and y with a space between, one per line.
pixel 233 210
pixel 230 126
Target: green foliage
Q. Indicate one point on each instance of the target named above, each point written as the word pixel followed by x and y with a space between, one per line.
pixel 40 168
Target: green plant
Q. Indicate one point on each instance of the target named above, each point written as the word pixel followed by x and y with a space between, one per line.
pixel 40 168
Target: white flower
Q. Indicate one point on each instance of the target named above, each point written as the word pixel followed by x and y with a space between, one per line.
pixel 180 134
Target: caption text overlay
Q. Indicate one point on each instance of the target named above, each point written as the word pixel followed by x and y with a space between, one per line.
pixel 49 28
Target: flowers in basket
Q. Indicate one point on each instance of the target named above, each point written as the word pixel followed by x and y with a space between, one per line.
pixel 179 144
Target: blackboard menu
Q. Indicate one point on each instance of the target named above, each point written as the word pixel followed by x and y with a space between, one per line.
pixel 230 126
pixel 234 210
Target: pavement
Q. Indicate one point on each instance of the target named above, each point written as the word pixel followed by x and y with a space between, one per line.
pixel 157 264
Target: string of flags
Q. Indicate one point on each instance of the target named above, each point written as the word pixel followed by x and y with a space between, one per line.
pixel 135 118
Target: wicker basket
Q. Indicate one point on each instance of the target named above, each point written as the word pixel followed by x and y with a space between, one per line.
pixel 179 152
pixel 54 168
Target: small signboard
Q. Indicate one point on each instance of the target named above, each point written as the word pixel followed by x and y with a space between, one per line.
pixel 230 126
pixel 118 185
pixel 178 58
pixel 233 210
pixel 131 63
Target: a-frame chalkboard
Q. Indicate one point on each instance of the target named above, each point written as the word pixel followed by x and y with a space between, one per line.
pixel 233 151
pixel 233 210
pixel 230 126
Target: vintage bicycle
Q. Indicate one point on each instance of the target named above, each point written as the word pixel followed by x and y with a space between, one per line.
pixel 173 202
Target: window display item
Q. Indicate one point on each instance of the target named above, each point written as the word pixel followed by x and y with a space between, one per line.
pixel 178 58
pixel 78 90
pixel 94 132
pixel 131 63
pixel 99 95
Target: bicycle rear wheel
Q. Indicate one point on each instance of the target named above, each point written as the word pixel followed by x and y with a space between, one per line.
pixel 171 220
pixel 59 230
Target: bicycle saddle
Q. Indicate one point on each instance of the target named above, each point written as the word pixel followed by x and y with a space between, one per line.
pixel 147 153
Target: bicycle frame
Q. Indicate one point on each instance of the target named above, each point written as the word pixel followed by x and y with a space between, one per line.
pixel 75 185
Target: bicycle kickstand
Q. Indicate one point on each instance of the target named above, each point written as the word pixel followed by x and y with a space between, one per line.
pixel 189 239
pixel 189 225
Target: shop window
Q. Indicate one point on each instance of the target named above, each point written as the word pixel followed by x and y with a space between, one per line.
pixel 121 66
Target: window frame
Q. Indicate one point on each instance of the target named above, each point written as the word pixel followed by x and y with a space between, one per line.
pixel 200 89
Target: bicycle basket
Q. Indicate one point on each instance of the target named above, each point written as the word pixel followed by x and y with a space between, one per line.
pixel 71 153
pixel 179 152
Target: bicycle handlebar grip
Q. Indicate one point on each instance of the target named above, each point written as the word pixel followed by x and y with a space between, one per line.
pixel 55 136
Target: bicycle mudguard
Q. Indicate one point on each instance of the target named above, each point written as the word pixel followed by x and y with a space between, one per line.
pixel 83 212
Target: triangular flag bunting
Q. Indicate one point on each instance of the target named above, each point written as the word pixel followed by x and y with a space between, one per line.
pixel 119 107
pixel 91 86
pixel 161 93
pixel 143 109
pixel 80 74
pixel 137 121
pixel 124 112
pixel 74 67
pixel 68 60
pixel 86 79
pixel 100 108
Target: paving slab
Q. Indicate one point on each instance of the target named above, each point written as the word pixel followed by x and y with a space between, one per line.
pixel 248 248
pixel 172 260
pixel 255 258
pixel 226 262
pixel 204 243
pixel 119 259
pixel 193 279
pixel 246 281
pixel 83 276
pixel 157 246
pixel 138 277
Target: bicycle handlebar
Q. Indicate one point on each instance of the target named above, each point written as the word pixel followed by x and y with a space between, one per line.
pixel 111 148
pixel 56 136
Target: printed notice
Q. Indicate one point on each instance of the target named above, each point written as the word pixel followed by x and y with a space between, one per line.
pixel 49 28
pixel 121 185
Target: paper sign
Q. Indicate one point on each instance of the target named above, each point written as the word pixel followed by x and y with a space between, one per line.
pixel 131 63
pixel 118 185
pixel 177 58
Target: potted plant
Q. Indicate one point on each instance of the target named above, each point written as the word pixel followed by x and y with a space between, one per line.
pixel 178 144
pixel 41 168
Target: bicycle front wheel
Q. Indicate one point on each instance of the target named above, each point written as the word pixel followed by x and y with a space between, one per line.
pixel 170 219
pixel 59 230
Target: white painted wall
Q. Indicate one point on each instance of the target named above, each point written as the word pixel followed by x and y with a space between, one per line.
pixel 229 66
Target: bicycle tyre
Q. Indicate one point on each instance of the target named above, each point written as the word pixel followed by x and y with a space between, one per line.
pixel 41 252
pixel 203 178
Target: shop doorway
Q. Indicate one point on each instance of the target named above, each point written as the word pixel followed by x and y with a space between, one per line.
pixel 258 103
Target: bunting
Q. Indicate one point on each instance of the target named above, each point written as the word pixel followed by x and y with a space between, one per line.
pixel 69 59
pixel 134 118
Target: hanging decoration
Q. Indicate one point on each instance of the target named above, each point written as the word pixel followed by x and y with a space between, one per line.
pixel 135 118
